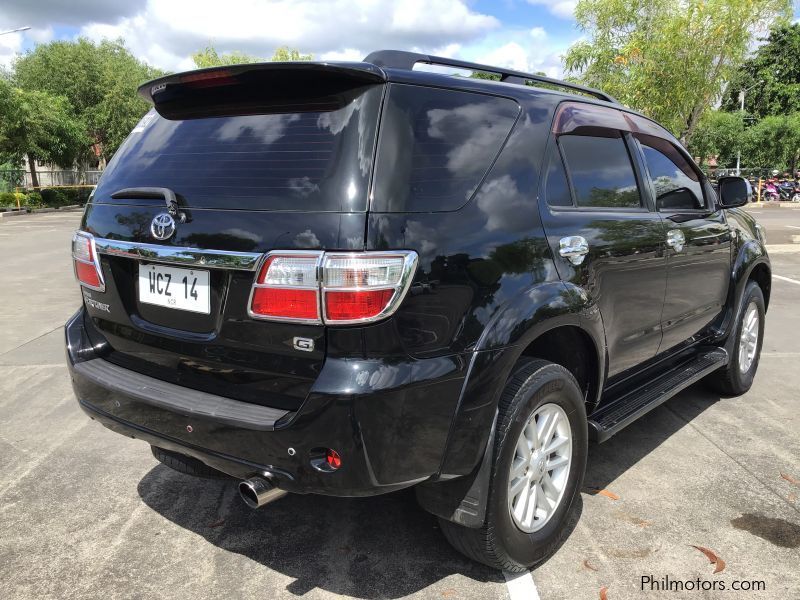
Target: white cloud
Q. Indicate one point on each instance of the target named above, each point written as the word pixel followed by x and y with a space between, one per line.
pixel 530 51
pixel 560 8
pixel 10 46
pixel 41 35
pixel 165 33
pixel 538 33
pixel 510 55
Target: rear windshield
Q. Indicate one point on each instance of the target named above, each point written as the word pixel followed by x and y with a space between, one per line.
pixel 318 161
pixel 435 147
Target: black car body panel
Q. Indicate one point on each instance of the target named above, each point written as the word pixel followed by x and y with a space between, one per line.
pixel 469 174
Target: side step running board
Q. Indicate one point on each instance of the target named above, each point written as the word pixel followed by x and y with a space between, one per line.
pixel 609 419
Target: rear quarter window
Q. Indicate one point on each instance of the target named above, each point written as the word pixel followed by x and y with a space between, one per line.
pixel 435 146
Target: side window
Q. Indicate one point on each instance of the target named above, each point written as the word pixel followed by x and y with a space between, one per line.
pixel 557 187
pixel 601 170
pixel 676 183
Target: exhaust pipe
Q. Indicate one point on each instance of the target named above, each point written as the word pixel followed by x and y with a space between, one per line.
pixel 258 491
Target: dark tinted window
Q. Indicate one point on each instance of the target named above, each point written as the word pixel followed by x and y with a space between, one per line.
pixel 675 180
pixel 435 146
pixel 557 189
pixel 601 171
pixel 295 161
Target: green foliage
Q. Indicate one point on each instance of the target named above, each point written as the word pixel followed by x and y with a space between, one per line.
pixel 668 59
pixel 33 200
pixel 774 142
pixel 99 82
pixel 286 54
pixel 53 198
pixel 210 57
pixel 39 125
pixel 771 77
pixel 8 199
pixel 718 134
pixel 484 75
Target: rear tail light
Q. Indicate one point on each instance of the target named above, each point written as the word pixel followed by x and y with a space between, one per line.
pixel 286 288
pixel 86 262
pixel 331 288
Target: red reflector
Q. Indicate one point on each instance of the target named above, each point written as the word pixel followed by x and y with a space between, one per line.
pixel 87 274
pixel 333 459
pixel 347 306
pixel 287 303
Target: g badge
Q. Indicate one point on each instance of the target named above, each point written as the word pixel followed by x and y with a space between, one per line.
pixel 303 344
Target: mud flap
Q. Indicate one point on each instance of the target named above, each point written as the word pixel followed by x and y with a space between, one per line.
pixel 462 500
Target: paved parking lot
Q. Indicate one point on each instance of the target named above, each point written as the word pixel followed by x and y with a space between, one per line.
pixel 85 513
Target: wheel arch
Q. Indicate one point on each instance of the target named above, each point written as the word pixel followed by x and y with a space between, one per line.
pixel 561 332
pixel 528 325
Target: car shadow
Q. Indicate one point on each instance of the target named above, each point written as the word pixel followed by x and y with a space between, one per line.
pixel 609 460
pixel 379 547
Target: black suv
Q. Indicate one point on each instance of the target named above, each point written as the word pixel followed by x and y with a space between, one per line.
pixel 352 278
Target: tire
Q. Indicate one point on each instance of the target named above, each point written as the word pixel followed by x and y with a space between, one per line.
pixel 186 464
pixel 502 542
pixel 734 379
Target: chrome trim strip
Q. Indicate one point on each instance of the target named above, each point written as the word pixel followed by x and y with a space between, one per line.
pixel 181 256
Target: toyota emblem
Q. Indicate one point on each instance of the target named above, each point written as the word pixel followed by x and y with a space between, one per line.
pixel 163 226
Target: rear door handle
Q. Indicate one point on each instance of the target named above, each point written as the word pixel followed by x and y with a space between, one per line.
pixel 574 248
pixel 676 240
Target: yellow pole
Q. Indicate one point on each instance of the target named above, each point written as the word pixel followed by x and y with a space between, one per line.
pixel 758 196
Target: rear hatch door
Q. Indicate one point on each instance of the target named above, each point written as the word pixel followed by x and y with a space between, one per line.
pixel 231 163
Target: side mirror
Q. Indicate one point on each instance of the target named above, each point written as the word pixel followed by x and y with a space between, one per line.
pixel 734 191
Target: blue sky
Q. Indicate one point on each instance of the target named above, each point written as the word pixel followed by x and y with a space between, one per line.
pixel 522 34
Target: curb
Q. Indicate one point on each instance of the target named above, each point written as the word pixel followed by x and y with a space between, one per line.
pixel 12 213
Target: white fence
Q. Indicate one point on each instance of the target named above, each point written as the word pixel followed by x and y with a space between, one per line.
pixel 10 180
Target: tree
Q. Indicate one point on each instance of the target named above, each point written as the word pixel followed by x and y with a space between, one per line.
pixel 774 142
pixel 210 57
pixel 99 82
pixel 771 77
pixel 669 59
pixel 286 54
pixel 39 126
pixel 718 134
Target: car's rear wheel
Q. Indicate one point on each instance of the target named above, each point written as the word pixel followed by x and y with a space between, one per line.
pixel 538 463
pixel 737 376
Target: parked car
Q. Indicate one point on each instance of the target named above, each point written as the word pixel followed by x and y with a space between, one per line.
pixel 353 278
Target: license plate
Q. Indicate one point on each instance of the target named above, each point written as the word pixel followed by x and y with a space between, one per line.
pixel 183 289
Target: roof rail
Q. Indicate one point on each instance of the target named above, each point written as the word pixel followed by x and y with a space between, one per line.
pixel 399 59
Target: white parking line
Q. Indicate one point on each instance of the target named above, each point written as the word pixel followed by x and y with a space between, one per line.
pixel 789 279
pixel 793 226
pixel 521 586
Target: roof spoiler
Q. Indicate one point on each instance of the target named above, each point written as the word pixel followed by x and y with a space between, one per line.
pixel 280 87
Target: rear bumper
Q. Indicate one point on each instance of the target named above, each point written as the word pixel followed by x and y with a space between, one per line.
pixel 388 419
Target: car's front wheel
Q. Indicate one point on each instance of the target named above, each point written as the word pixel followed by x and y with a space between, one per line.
pixel 538 466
